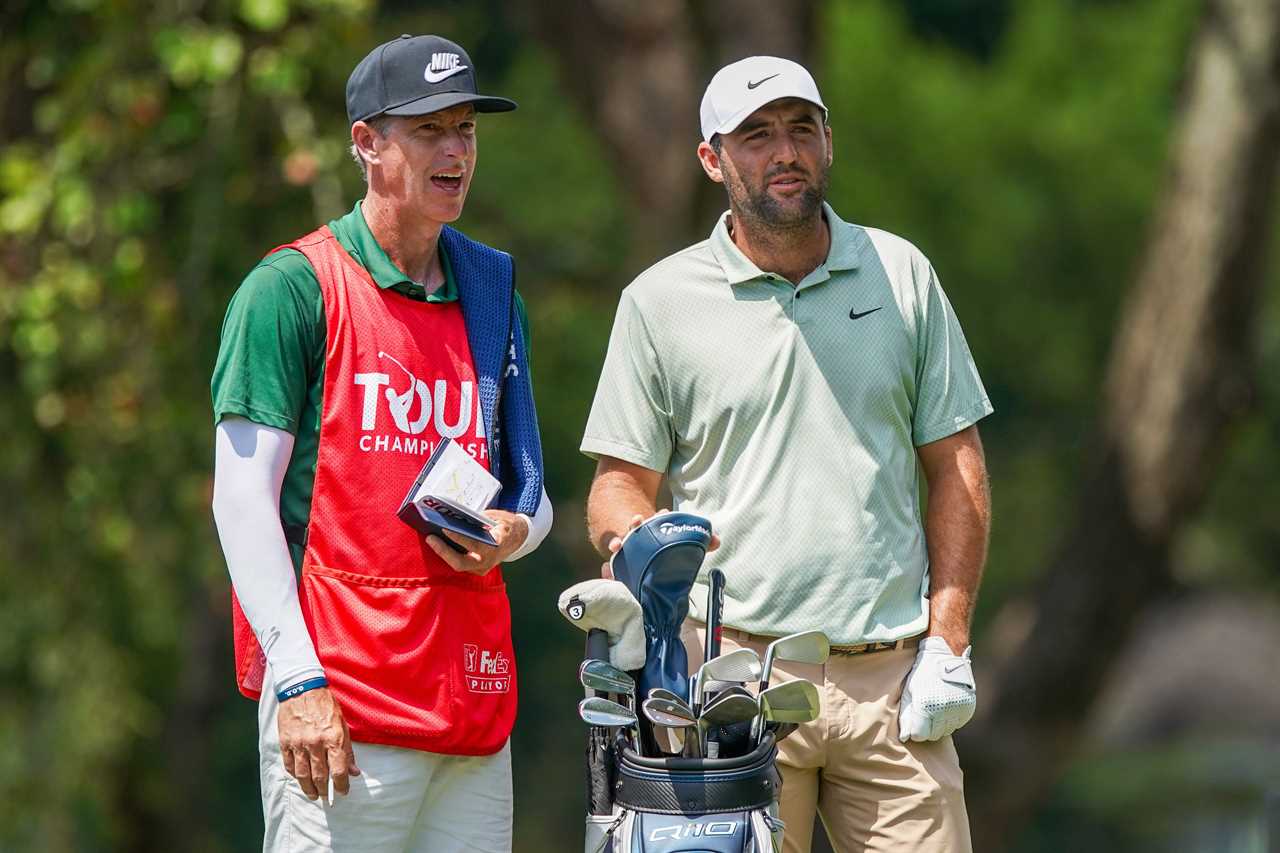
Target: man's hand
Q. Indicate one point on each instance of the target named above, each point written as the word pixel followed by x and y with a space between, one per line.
pixel 615 544
pixel 315 744
pixel 509 530
pixel 939 695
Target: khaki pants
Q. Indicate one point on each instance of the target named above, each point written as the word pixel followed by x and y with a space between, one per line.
pixel 872 791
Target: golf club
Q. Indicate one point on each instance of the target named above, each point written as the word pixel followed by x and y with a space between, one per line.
pixel 671 740
pixel 672 716
pixel 603 676
pixel 715 609
pixel 664 712
pixel 739 665
pixel 792 702
pixel 735 705
pixel 805 647
pixel 664 693
pixel 605 713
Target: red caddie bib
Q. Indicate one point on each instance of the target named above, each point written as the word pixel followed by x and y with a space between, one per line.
pixel 418 654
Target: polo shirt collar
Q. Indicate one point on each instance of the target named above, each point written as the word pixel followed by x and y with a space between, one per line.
pixel 846 242
pixel 353 233
pixel 843 254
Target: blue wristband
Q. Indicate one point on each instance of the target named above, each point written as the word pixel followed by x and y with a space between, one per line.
pixel 302 687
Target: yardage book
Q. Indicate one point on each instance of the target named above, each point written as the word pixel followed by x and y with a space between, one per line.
pixel 450 493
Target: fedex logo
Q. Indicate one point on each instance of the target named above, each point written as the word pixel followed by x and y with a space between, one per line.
pixel 485 671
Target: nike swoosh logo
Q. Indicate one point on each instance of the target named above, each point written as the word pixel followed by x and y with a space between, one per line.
pixel 436 76
pixel 855 315
pixel 950 669
pixel 751 85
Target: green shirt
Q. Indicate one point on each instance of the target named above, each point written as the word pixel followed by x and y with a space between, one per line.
pixel 790 416
pixel 270 366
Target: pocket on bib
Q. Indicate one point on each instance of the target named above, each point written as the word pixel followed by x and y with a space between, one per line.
pixel 484 665
pixel 423 665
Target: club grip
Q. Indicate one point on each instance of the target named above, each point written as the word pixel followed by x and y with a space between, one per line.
pixel 715 608
pixel 597 645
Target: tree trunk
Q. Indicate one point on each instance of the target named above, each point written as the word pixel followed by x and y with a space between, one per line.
pixel 1181 369
pixel 637 71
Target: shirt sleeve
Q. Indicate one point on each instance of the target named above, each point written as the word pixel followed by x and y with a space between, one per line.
pixel 272 344
pixel 631 415
pixel 949 393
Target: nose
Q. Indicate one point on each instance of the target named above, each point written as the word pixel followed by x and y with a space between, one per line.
pixel 455 143
pixel 784 152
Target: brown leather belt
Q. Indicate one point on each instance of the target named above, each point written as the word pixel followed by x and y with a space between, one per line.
pixel 858 649
pixel 871 648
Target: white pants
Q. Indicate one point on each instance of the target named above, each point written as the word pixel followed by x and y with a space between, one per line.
pixel 404 801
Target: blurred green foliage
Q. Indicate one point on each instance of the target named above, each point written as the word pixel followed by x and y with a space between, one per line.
pixel 152 151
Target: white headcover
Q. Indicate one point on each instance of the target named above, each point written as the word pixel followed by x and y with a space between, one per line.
pixel 609 605
pixel 745 86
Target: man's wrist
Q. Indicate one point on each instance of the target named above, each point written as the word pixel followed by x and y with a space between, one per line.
pixel 956 641
pixel 301 687
pixel 519 522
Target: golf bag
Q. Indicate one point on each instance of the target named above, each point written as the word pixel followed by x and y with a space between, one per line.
pixel 690 805
pixel 641 804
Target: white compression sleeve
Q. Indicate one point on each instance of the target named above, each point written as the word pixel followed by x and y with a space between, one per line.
pixel 539 527
pixel 249 464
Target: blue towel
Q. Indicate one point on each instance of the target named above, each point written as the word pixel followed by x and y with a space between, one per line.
pixel 499 353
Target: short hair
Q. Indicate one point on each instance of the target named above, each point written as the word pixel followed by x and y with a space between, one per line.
pixel 379 123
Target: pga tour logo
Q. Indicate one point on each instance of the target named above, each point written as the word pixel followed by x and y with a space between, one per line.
pixel 485 671
pixel 452 409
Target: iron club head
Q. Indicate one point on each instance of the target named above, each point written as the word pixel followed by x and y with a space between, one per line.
pixel 663 693
pixel 790 702
pixel 596 711
pixel 605 677
pixel 672 719
pixel 665 712
pixel 804 647
pixel 739 665
pixel 729 708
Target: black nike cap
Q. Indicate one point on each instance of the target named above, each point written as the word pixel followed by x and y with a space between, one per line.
pixel 416 75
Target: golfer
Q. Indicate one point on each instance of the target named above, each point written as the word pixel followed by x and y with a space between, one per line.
pixel 387 684
pixel 790 378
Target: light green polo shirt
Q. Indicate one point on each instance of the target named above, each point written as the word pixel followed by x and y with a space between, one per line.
pixel 270 366
pixel 790 417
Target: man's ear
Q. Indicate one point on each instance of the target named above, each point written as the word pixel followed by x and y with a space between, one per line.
pixel 831 151
pixel 365 138
pixel 710 161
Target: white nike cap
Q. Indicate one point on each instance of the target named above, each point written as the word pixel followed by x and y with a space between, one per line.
pixel 741 88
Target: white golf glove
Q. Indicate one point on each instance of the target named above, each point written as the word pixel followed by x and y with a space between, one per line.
pixel 939 695
pixel 609 605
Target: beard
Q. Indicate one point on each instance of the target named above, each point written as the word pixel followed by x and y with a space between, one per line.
pixel 757 204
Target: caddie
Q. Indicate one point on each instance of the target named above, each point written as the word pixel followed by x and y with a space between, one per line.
pixel 791 378
pixel 386 676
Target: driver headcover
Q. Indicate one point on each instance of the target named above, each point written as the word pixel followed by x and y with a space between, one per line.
pixel 658 562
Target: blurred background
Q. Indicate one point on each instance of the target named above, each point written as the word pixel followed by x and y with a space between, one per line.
pixel 1093 179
